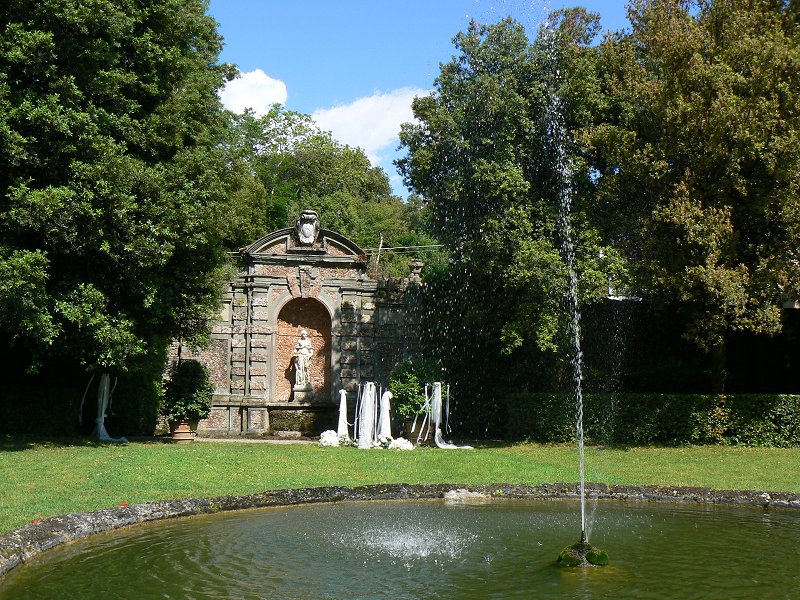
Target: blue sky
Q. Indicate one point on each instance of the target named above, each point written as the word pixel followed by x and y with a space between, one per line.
pixel 355 65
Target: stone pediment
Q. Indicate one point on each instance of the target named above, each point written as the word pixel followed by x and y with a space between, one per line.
pixel 283 241
pixel 283 246
pixel 305 255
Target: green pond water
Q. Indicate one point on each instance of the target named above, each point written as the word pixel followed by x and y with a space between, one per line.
pixel 503 549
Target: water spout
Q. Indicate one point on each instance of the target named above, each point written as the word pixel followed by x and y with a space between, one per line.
pixel 581 553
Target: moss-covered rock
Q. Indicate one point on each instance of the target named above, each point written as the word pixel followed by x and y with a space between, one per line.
pixel 596 556
pixel 582 554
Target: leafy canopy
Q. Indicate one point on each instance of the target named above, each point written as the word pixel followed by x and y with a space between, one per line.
pixel 698 144
pixel 482 155
pixel 112 183
pixel 292 165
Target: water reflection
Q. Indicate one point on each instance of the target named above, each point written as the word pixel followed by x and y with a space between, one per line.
pixel 505 549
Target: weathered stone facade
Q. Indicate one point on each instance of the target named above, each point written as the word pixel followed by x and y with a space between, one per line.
pixel 359 329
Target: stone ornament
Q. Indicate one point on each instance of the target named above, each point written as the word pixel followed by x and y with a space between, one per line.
pixel 307 227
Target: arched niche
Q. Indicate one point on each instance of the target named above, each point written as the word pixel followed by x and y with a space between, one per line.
pixel 298 314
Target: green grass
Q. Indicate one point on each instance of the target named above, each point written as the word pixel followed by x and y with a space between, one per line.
pixel 42 479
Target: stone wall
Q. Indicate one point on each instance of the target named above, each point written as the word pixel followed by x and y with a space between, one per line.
pixel 359 328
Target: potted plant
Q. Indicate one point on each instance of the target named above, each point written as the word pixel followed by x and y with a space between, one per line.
pixel 407 384
pixel 187 399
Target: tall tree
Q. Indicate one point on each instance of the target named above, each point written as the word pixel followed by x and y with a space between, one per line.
pixel 699 145
pixel 482 154
pixel 112 183
pixel 294 165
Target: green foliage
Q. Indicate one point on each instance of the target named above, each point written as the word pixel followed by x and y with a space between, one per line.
pixel 137 397
pixel 112 177
pixel 407 384
pixel 23 296
pixel 39 410
pixel 482 157
pixel 672 419
pixel 188 392
pixel 289 165
pixel 697 145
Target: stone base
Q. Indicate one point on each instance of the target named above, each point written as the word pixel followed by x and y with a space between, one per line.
pixel 254 417
pixel 289 435
pixel 302 393
pixel 582 554
pixel 309 418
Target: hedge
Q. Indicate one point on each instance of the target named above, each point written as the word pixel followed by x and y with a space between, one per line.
pixel 665 419
pixel 46 411
pixel 36 408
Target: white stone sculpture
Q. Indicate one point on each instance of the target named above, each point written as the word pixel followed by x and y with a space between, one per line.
pixel 401 444
pixel 104 392
pixel 436 417
pixel 302 357
pixel 329 438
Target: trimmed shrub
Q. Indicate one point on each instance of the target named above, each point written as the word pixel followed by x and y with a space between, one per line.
pixel 407 384
pixel 665 419
pixel 188 392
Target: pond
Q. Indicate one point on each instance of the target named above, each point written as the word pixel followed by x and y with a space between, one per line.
pixel 430 549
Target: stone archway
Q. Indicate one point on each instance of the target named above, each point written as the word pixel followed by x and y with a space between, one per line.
pixel 298 314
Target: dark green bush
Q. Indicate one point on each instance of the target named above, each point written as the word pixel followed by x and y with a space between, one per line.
pixel 137 397
pixel 188 392
pixel 666 419
pixel 407 384
pixel 37 410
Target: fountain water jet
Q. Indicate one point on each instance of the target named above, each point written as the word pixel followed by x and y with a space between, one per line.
pixel 580 553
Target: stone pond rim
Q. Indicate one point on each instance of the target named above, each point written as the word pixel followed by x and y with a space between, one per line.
pixel 20 545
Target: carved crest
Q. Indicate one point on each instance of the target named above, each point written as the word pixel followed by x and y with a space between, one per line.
pixel 307 227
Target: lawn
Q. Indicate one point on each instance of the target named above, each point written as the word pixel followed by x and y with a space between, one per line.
pixel 42 479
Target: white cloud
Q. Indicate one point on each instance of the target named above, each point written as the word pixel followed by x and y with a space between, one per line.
pixel 371 123
pixel 254 89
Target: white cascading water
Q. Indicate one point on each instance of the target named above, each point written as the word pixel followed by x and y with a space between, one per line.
pixel 365 418
pixel 436 404
pixel 104 394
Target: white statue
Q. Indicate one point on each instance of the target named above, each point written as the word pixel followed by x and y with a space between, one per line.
pixel 435 402
pixel 104 392
pixel 302 356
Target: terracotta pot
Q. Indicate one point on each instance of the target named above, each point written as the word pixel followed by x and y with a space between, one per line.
pixel 411 433
pixel 183 431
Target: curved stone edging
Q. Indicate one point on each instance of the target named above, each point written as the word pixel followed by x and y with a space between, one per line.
pixel 22 544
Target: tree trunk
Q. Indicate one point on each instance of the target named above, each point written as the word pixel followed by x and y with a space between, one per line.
pixel 719 372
